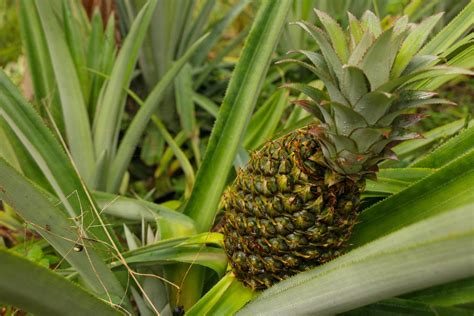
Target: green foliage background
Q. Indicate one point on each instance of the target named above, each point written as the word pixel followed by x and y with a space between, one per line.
pixel 10 41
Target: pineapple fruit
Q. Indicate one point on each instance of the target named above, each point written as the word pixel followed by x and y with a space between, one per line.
pixel 295 204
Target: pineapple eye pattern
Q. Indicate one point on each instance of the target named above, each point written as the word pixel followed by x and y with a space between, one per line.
pixel 286 223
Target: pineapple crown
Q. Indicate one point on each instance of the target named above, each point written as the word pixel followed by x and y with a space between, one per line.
pixel 372 77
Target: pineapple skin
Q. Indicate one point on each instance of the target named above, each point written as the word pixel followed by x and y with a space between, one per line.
pixel 287 211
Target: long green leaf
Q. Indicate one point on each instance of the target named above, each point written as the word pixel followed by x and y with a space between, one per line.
pixel 186 109
pixel 206 103
pixel 185 104
pixel 183 160
pixel 265 121
pixel 48 155
pixel 397 306
pixel 212 258
pixel 451 32
pixel 398 263
pixel 225 298
pixel 444 154
pixel 141 119
pixel 76 120
pixel 449 187
pixel 7 151
pixel 391 181
pixel 197 28
pixel 16 155
pixel 449 294
pixel 109 114
pixel 46 292
pixel 410 149
pixel 165 159
pixel 49 221
pixel 172 223
pixel 236 108
pixel 76 47
pixel 179 250
pixel 212 64
pixel 39 62
pixel 462 58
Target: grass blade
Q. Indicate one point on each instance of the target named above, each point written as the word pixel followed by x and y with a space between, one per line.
pixel 206 103
pixel 16 155
pixel 186 109
pixel 179 250
pixel 76 47
pixel 197 28
pixel 210 257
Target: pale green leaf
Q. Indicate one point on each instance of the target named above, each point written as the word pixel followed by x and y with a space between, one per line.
pixel 47 293
pixel 354 84
pixel 54 226
pixel 336 34
pixel 76 119
pixel 48 155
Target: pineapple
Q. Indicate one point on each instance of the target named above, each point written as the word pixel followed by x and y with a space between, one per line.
pixel 295 204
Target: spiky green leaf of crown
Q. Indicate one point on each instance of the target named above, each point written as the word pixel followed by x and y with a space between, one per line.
pixel 368 73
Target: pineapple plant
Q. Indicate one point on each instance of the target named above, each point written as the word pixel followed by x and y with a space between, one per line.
pixel 295 204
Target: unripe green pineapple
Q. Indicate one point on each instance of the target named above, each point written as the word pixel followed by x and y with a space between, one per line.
pixel 295 204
